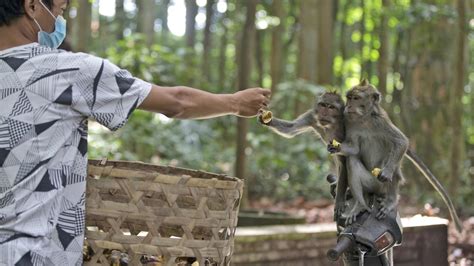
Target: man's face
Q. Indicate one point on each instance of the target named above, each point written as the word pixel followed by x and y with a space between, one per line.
pixel 44 18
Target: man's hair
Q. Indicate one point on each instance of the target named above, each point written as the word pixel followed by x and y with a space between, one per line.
pixel 10 10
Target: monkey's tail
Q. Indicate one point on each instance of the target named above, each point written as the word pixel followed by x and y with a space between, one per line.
pixel 437 185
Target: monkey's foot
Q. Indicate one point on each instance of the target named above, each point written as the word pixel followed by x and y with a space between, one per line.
pixel 353 216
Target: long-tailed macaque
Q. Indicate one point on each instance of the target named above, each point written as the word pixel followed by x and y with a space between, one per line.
pixel 372 141
pixel 326 120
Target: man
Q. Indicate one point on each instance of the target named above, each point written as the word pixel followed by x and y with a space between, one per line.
pixel 46 96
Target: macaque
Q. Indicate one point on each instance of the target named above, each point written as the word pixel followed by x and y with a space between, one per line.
pixel 373 142
pixel 325 119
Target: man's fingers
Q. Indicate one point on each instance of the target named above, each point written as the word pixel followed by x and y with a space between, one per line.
pixel 265 92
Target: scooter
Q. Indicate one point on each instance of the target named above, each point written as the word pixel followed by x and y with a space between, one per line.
pixel 368 241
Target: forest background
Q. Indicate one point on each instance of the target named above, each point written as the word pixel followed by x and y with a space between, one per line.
pixel 418 53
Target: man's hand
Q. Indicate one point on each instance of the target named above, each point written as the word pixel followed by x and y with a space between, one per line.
pixel 250 101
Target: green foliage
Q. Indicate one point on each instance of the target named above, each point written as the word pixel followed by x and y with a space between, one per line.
pixel 157 63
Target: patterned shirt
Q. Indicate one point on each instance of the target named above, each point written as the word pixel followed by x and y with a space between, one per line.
pixel 46 97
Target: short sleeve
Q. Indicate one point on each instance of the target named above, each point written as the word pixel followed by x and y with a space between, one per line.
pixel 106 93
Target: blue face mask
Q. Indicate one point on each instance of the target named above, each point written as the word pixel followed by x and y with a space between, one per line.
pixel 53 39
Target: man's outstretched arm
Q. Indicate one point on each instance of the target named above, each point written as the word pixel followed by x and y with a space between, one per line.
pixel 189 103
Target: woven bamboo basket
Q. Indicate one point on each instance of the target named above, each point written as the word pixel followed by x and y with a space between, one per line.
pixel 173 213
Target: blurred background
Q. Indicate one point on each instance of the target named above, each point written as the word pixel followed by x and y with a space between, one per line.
pixel 419 54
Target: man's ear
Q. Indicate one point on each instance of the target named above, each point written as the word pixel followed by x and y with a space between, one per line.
pixel 30 7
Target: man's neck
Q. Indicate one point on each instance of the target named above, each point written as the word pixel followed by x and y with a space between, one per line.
pixel 18 34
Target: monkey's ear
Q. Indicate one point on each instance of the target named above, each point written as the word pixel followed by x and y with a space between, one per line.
pixel 364 82
pixel 377 97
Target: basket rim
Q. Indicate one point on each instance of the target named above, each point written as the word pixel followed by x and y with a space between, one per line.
pixel 161 169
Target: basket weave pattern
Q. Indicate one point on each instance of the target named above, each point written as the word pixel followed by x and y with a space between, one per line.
pixel 162 211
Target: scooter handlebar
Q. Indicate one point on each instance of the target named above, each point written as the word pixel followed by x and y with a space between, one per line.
pixel 342 245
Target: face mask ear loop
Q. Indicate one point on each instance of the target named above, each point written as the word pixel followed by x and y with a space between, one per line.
pixel 47 9
pixel 37 24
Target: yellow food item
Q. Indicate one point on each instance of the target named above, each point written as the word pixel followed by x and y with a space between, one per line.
pixel 335 143
pixel 267 116
pixel 376 171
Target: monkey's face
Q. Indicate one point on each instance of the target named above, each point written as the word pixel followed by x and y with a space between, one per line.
pixel 329 109
pixel 361 102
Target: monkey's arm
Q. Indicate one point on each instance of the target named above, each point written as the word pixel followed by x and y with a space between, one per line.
pixel 437 185
pixel 394 157
pixel 289 129
pixel 350 147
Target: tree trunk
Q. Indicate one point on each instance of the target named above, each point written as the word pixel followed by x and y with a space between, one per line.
pixel 457 151
pixel 325 41
pixel 84 17
pixel 191 12
pixel 293 32
pixel 244 74
pixel 308 51
pixel 259 55
pixel 222 56
pixel 121 19
pixel 276 67
pixel 368 63
pixel 383 63
pixel 342 41
pixel 308 41
pixel 397 92
pixel 363 72
pixel 207 40
pixel 163 16
pixel 146 20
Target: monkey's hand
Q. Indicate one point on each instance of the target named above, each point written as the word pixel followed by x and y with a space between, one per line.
pixel 385 175
pixel 334 146
pixel 339 208
pixel 265 117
